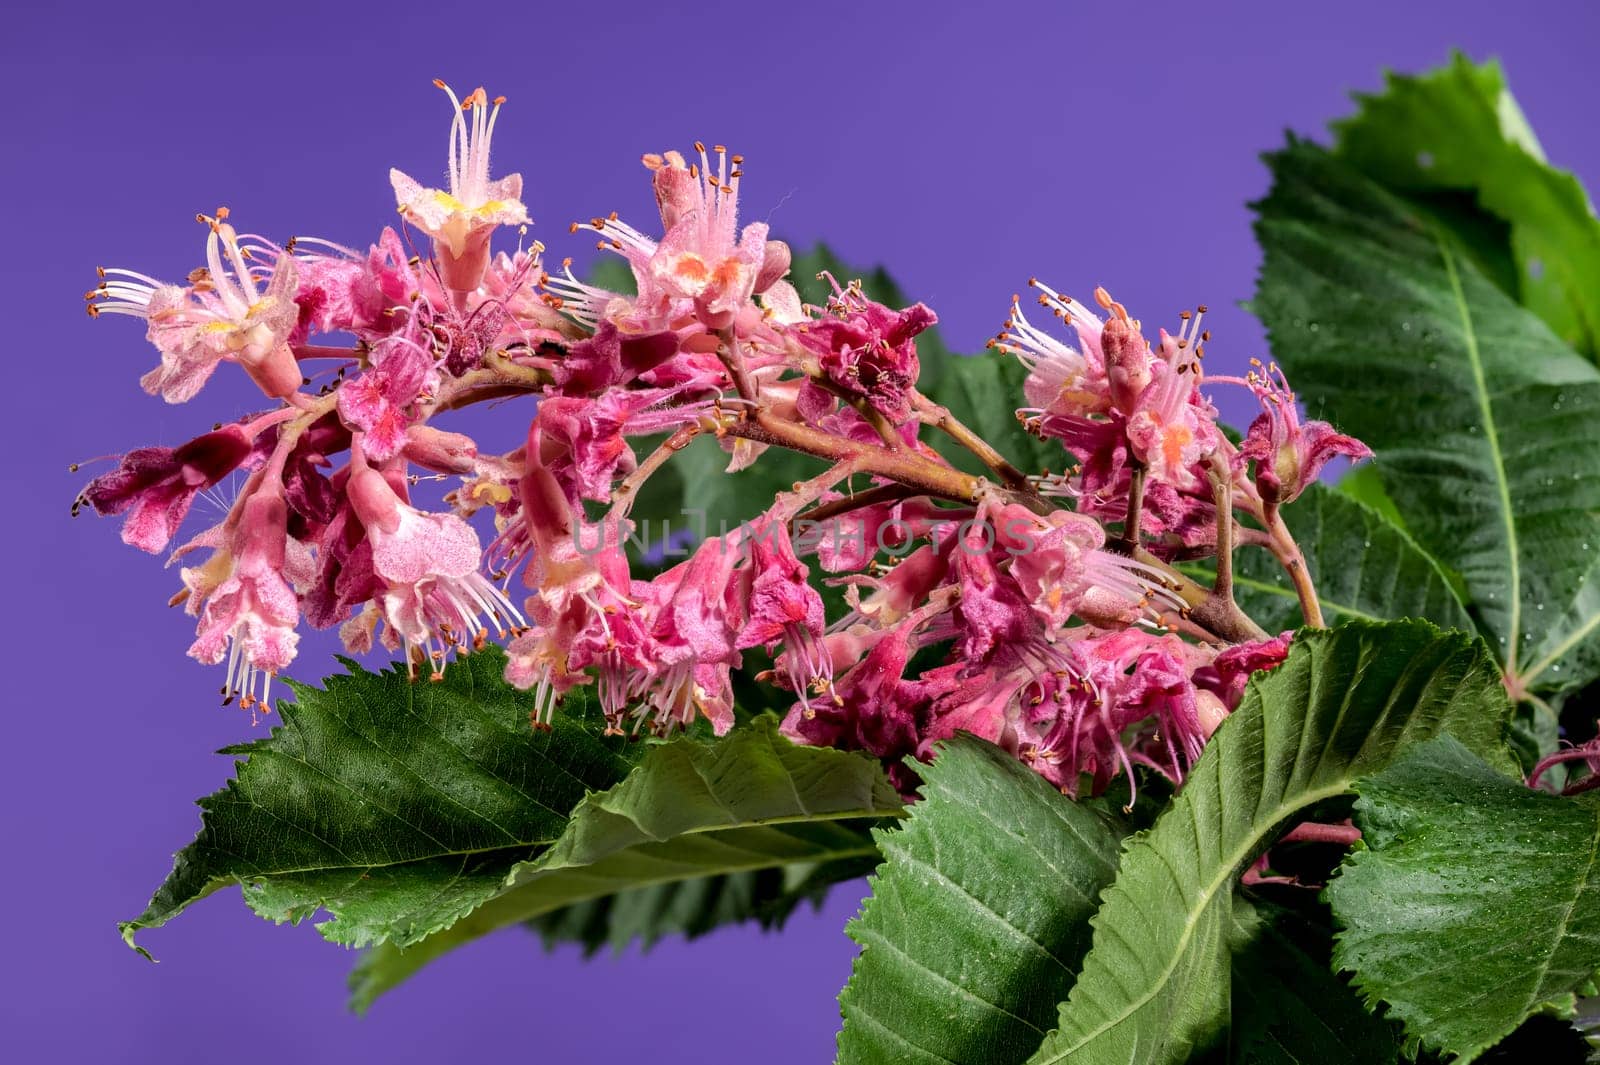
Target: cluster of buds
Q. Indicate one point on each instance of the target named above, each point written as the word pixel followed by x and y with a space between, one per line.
pixel 1042 612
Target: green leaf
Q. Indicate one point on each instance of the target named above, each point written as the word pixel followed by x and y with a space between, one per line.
pixel 394 805
pixel 1485 423
pixel 1287 1007
pixel 1340 707
pixel 750 801
pixel 1364 484
pixel 1363 566
pixel 1474 902
pixel 1455 136
pixel 692 908
pixel 978 917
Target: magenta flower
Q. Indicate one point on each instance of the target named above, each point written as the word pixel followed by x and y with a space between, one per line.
pixel 155 486
pixel 229 312
pixel 343 290
pixel 461 220
pixel 1288 455
pixel 866 350
pixel 874 709
pixel 1586 753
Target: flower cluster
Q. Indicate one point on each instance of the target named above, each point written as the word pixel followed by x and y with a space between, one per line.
pixel 1042 613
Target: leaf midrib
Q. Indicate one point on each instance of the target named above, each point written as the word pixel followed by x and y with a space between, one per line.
pixel 1281 812
pixel 1492 436
pixel 468 852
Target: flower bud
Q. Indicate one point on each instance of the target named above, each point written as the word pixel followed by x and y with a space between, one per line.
pixel 677 191
pixel 276 372
pixel 439 451
pixel 373 500
pixel 1210 709
pixel 1127 362
pixel 774 265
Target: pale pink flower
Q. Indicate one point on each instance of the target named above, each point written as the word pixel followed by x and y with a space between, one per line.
pixel 1171 427
pixel 245 599
pixel 231 311
pixel 434 596
pixel 1063 380
pixel 461 220
pixel 703 267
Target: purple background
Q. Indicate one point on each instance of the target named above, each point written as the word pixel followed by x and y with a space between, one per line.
pixel 966 146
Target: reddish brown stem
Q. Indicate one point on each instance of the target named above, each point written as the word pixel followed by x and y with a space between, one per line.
pixel 1345 835
pixel 1130 524
pixel 622 499
pixel 941 418
pixel 883 493
pixel 1294 563
pixel 1222 497
pixel 902 465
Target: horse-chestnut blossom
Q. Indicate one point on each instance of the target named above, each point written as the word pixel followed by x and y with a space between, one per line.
pixel 461 219
pixel 1041 612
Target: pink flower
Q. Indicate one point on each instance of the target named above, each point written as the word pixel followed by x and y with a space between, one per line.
pixel 343 290
pixel 1127 696
pixel 703 266
pixel 155 486
pixel 992 616
pixel 376 401
pixel 1171 427
pixel 873 709
pixel 1059 560
pixel 1062 380
pixel 1232 669
pixel 243 594
pixel 695 619
pixel 434 596
pixel 228 313
pixel 584 441
pixel 578 586
pixel 461 220
pixel 1288 455
pixel 866 350
pixel 611 357
pixel 783 607
pixel 344 579
pixel 512 281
